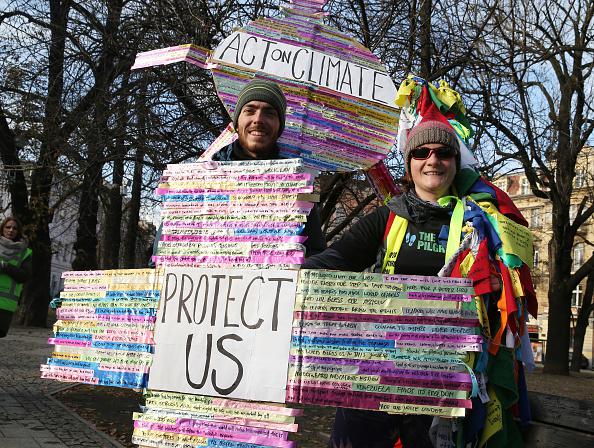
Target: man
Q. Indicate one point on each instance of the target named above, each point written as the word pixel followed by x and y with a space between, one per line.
pixel 259 120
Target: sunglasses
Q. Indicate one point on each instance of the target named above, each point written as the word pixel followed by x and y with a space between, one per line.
pixel 422 153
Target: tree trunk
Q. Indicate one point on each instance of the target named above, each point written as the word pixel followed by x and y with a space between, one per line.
pixel 113 218
pixel 581 325
pixel 556 358
pixel 112 238
pixel 33 309
pixel 86 232
pixel 17 185
pixel 425 38
pixel 134 213
pixel 34 303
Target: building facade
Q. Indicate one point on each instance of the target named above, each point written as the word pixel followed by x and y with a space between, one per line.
pixel 538 213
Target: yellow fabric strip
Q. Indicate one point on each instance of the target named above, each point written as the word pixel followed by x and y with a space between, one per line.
pixel 393 243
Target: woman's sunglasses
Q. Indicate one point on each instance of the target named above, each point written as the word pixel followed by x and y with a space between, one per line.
pixel 422 153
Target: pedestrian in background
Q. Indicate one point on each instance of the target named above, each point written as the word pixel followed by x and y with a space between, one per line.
pixel 15 269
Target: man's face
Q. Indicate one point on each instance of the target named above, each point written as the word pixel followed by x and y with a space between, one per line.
pixel 258 126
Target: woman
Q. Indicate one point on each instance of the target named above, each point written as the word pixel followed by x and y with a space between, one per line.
pixel 421 233
pixel 15 269
pixel 400 238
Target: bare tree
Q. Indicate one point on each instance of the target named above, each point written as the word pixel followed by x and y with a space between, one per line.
pixel 534 84
pixel 105 68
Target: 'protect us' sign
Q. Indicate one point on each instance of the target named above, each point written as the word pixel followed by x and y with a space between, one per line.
pixel 224 332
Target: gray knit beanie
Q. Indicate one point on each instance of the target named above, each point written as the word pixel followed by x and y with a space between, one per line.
pixel 262 90
pixel 431 131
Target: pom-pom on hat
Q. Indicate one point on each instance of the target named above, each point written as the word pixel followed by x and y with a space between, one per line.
pixel 266 91
pixel 424 106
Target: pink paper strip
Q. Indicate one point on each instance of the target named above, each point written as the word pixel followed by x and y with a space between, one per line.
pixel 226 435
pixel 438 296
pixel 124 318
pixel 373 318
pixel 237 176
pixel 234 224
pixel 477 339
pixel 388 381
pixel 232 404
pixel 228 260
pixel 124 368
pixel 227 137
pixel 162 191
pixel 441 345
pixel 73 378
pixel 69 342
pixel 70 315
pixel 192 209
pixel 433 384
pixel 79 274
pixel 230 238
pixel 289 427
pixel 93 287
pixel 214 425
pixel 439 375
pixel 421 279
pixel 339 333
pixel 321 332
pixel 135 337
pixel 333 397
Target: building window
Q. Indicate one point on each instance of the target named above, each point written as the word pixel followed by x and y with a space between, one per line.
pixel 524 186
pixel 536 258
pixel 54 284
pixel 576 296
pixel 548 216
pixel 578 256
pixel 580 178
pixel 573 208
pixel 535 218
pixel 57 251
pixel 502 185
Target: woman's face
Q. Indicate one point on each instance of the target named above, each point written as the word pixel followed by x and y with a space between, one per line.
pixel 434 175
pixel 10 230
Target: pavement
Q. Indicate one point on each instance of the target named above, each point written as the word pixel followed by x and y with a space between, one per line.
pixel 30 417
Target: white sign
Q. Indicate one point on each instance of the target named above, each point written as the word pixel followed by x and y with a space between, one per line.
pixel 224 332
pixel 307 65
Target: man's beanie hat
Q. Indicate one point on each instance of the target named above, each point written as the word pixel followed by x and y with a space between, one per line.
pixel 266 91
pixel 431 131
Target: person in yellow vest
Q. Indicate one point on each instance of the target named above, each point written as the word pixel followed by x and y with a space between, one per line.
pixel 400 238
pixel 15 269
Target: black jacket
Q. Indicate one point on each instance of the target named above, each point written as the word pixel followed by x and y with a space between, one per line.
pixel 362 246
